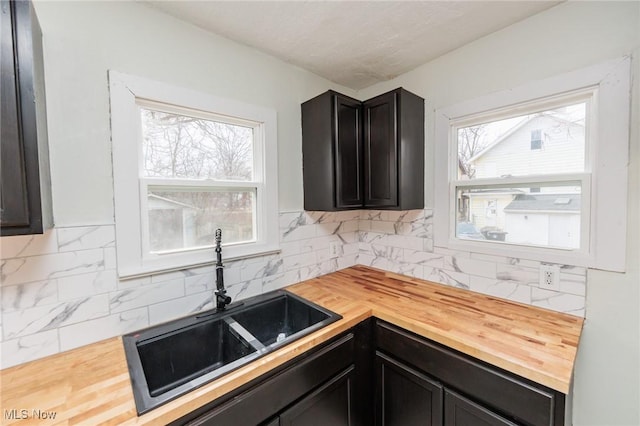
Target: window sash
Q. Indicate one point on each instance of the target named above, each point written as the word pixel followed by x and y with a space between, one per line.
pixel 583 180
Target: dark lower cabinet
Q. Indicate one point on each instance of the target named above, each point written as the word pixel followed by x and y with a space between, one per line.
pixel 476 393
pixel 380 374
pixel 331 405
pixel 325 386
pixel 460 411
pixel 404 396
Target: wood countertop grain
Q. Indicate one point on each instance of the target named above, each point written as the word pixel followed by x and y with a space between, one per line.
pixel 90 385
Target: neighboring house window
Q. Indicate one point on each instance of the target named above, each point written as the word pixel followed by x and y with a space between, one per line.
pixel 551 204
pixel 536 139
pixel 492 208
pixel 185 164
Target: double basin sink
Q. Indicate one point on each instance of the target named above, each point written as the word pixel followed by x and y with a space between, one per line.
pixel 171 359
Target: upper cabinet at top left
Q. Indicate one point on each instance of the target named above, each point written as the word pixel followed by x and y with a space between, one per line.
pixel 25 195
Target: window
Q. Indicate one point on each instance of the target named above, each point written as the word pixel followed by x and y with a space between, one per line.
pixel 527 169
pixel 504 142
pixel 536 139
pixel 185 164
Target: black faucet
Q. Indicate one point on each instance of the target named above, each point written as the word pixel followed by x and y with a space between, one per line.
pixel 222 300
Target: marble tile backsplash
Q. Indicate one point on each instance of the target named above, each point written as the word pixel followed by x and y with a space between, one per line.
pixel 61 290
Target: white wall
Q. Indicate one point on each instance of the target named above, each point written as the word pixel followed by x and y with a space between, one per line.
pixel 82 40
pixel 562 39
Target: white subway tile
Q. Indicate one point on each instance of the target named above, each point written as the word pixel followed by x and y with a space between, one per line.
pixel 259 270
pixel 24 296
pixel 470 266
pixel 86 237
pixel 29 245
pixel 133 283
pixel 180 307
pixel 43 318
pixel 29 348
pixel 245 289
pixel 125 300
pixel 49 266
pixel 573 284
pixel 510 290
pixel 560 302
pixel 298 233
pixel 95 330
pixel 521 274
pixel 455 279
pixel 407 242
pixel 87 284
pixel 424 258
pixel 203 282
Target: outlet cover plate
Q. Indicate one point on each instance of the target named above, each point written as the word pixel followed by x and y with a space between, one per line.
pixel 549 277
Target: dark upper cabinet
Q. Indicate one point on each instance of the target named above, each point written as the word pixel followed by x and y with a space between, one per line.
pixel 25 197
pixel 394 151
pixel 363 155
pixel 332 152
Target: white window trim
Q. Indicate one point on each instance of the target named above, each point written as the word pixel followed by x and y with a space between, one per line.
pixel 607 217
pixel 126 135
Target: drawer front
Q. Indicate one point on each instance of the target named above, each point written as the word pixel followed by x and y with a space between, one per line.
pixel 515 397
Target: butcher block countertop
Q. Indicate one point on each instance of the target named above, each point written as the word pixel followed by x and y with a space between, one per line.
pixel 90 385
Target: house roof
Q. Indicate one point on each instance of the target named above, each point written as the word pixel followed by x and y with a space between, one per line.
pixel 544 202
pixel 514 129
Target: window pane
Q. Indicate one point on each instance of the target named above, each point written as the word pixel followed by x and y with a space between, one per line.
pixel 182 219
pixel 179 146
pixel 546 142
pixel 547 216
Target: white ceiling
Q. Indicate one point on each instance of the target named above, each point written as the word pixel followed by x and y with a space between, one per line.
pixel 353 43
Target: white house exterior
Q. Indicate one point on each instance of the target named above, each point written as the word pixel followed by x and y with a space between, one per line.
pixel 543 144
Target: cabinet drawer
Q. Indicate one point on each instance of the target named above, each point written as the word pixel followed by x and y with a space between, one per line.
pixel 516 397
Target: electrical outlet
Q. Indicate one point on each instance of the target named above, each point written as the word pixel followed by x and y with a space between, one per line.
pixel 549 277
pixel 335 250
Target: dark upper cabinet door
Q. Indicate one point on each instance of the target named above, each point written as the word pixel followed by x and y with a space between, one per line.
pixel 331 405
pixel 405 397
pixel 381 149
pixel 14 210
pixel 332 152
pixel 459 411
pixel 25 203
pixel 348 153
pixel 394 151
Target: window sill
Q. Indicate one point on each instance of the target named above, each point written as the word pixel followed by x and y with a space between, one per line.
pixel 199 259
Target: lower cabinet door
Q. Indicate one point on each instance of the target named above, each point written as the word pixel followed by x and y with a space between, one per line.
pixel 331 404
pixel 459 411
pixel 405 397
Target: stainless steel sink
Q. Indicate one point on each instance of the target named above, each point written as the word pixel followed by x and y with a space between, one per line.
pixel 171 359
